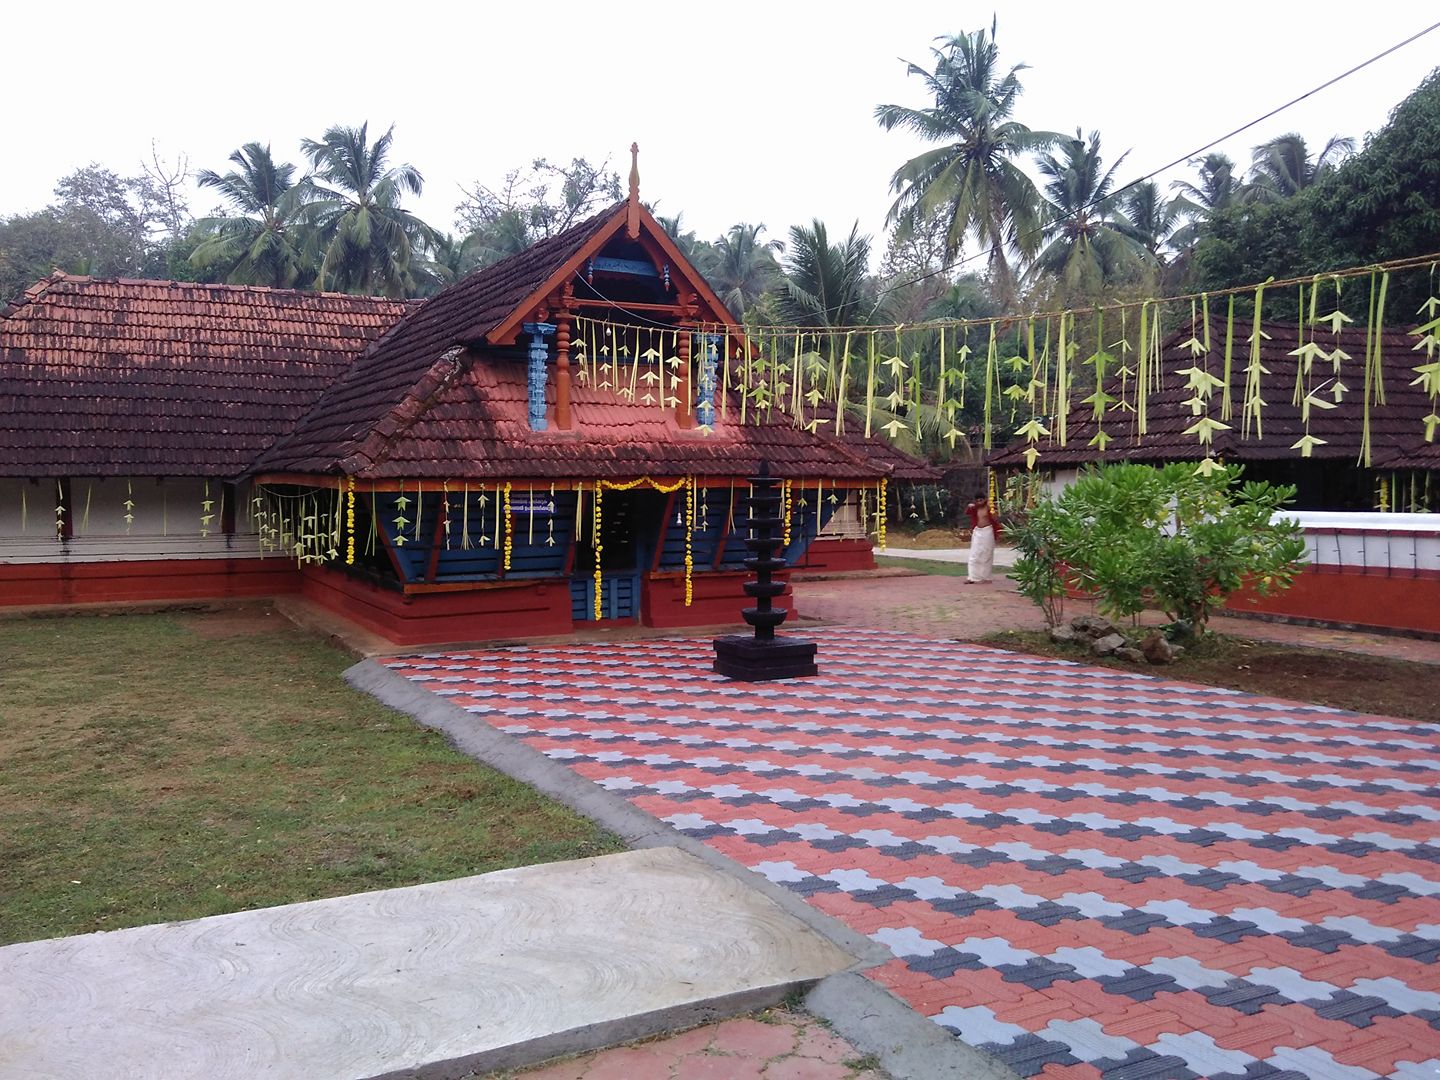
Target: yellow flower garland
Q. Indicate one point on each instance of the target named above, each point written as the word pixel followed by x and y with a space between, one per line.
pixel 508 531
pixel 880 513
pixel 785 494
pixel 598 547
pixel 350 521
pixel 689 539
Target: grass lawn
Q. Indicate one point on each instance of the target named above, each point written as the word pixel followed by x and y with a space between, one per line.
pixel 928 566
pixel 161 767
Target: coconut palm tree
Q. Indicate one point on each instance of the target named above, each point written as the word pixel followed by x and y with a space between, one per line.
pixel 1283 167
pixel 1219 188
pixel 1085 247
pixel 445 262
pixel 825 283
pixel 744 268
pixel 364 239
pixel 970 181
pixel 1148 218
pixel 262 242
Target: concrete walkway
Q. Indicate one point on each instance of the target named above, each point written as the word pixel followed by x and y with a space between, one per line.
pixel 1086 873
pixel 479 973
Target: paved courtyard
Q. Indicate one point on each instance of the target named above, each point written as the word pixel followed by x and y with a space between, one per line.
pixel 1086 872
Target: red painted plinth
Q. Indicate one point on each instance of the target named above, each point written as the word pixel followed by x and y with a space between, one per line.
pixel 493 611
pixel 837 556
pixel 717 598
pixel 1364 596
pixel 145 580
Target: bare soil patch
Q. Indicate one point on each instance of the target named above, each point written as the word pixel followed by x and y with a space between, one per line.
pixel 1365 684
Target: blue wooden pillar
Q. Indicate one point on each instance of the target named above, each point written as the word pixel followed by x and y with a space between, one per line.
pixel 705 398
pixel 539 351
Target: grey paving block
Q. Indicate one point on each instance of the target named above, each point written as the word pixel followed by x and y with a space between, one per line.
pixel 1248 999
pixel 1354 1009
pixel 1321 939
pixel 1142 1064
pixel 1224 928
pixel 1028 1054
pixel 1139 984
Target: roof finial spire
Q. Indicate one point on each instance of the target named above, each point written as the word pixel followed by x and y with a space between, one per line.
pixel 632 213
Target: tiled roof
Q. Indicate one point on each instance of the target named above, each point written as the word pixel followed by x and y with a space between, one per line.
pixel 140 378
pixel 1394 426
pixel 878 450
pixel 418 405
pixel 388 386
pixel 477 427
pixel 1419 455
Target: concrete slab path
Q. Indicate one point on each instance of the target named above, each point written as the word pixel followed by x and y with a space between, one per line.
pixel 1084 872
pixel 479 973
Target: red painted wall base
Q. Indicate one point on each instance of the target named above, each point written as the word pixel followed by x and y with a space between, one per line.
pixel 1397 601
pixel 837 556
pixel 514 609
pixel 716 599
pixel 139 581
pixel 499 611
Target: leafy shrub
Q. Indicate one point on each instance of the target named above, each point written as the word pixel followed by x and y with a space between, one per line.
pixel 1170 537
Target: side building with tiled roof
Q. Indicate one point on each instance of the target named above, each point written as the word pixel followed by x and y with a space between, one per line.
pixel 1332 476
pixel 1364 492
pixel 130 412
pixel 547 443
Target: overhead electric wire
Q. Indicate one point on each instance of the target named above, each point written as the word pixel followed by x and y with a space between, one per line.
pixel 1095 202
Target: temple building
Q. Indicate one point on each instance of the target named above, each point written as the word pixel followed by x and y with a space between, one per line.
pixel 554 441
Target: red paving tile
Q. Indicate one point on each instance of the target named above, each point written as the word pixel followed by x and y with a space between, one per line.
pixel 1084 872
pixel 778 1044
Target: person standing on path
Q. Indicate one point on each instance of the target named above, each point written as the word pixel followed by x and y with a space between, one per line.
pixel 984 528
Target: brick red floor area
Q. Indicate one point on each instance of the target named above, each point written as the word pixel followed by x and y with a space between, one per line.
pixel 1086 872
pixel 777 1045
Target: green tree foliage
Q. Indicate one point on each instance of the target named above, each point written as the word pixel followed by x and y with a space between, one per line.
pixel 1167 537
pixel 363 239
pixel 532 204
pixel 1084 248
pixel 1283 167
pixel 826 284
pixel 100 224
pixel 1149 219
pixel 262 240
pixel 971 180
pixel 742 268
pixel 1381 203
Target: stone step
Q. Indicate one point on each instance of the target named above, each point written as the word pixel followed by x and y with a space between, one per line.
pixel 487 972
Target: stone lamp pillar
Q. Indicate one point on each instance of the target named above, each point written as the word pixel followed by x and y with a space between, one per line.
pixel 764 656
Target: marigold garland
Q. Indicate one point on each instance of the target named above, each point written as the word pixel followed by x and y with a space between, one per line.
pixel 350 521
pixel 508 530
pixel 597 546
pixel 785 496
pixel 689 538
pixel 880 514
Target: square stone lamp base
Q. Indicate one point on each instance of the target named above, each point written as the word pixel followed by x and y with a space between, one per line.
pixel 742 657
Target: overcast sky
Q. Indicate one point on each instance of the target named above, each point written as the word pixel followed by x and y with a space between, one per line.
pixel 744 111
